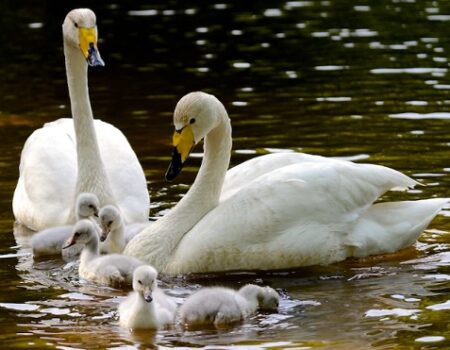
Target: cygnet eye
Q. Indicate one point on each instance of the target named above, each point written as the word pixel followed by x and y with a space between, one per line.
pixel 77 234
pixel 139 281
pixel 75 24
pixel 110 223
pixel 192 121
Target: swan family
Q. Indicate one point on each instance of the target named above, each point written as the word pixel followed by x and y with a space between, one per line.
pixel 277 211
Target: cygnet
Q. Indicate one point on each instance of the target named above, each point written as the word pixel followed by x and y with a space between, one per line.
pixel 115 235
pixel 220 306
pixel 51 240
pixel 147 307
pixel 111 269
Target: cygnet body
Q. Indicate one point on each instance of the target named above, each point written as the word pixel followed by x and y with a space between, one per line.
pixel 51 240
pixel 220 306
pixel 111 269
pixel 115 235
pixel 147 307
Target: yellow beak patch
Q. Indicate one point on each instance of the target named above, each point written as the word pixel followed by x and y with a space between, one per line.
pixel 184 141
pixel 87 36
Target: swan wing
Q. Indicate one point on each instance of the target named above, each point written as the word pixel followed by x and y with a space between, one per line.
pixel 294 216
pixel 241 175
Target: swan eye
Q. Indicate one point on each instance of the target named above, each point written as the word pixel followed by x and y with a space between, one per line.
pixel 110 223
pixel 77 234
pixel 192 121
pixel 75 24
pixel 139 281
pixel 91 206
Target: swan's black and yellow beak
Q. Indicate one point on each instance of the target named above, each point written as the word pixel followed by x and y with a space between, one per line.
pixel 88 45
pixel 183 142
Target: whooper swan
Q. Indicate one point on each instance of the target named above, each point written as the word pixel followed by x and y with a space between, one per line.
pixel 318 211
pixel 70 156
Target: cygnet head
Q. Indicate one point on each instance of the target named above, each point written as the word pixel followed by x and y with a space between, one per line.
pixel 195 115
pixel 83 232
pixel 268 299
pixel 110 219
pixel 87 205
pixel 144 281
pixel 80 31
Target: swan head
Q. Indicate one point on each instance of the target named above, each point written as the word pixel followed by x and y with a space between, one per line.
pixel 83 232
pixel 80 31
pixel 87 205
pixel 110 219
pixel 144 281
pixel 195 115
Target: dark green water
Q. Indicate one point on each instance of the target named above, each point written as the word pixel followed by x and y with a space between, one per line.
pixel 358 79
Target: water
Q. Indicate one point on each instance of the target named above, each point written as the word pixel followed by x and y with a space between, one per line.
pixel 363 80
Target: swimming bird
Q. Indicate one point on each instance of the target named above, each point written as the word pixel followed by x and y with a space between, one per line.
pixel 110 269
pixel 222 306
pixel 115 235
pixel 317 211
pixel 147 307
pixel 51 240
pixel 70 156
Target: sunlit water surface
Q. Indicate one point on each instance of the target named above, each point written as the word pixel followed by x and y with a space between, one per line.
pixel 363 80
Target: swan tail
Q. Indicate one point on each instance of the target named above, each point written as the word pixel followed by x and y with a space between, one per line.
pixel 389 227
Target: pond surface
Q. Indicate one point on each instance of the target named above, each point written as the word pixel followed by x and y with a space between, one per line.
pixel 364 80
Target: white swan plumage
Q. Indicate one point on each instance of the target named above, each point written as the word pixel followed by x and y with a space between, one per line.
pixel 51 240
pixel 147 307
pixel 223 306
pixel 317 211
pixel 70 156
pixel 110 269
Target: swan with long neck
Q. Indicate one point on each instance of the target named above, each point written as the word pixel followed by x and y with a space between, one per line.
pixel 67 157
pixel 318 211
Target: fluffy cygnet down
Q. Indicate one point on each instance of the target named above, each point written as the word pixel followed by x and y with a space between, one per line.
pixel 51 240
pixel 111 269
pixel 115 234
pixel 220 306
pixel 147 307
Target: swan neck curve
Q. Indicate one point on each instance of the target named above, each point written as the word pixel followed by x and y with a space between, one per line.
pixel 92 176
pixel 203 196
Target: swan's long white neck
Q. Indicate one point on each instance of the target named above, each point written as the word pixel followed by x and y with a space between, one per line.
pixel 156 244
pixel 90 251
pixel 92 176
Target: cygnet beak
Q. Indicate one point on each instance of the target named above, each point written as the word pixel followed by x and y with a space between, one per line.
pixel 103 236
pixel 70 242
pixel 148 296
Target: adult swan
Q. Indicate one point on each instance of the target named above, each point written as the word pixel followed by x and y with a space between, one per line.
pixel 315 211
pixel 67 157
